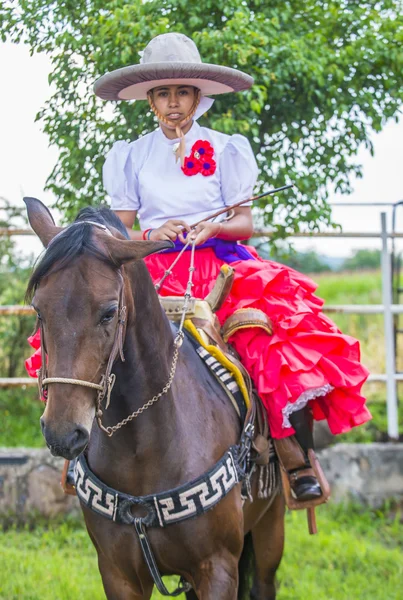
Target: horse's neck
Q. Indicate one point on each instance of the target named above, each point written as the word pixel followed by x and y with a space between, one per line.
pixel 170 442
pixel 148 352
pixel 149 339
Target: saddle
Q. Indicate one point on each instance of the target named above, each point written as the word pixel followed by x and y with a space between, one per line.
pixel 201 318
pixel 202 323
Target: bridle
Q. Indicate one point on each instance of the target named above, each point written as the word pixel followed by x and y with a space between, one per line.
pixel 105 386
pixel 108 379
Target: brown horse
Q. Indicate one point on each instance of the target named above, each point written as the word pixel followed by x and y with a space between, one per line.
pixel 76 291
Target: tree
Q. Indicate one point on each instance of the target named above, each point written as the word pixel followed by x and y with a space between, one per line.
pixel 363 259
pixel 327 74
pixel 304 262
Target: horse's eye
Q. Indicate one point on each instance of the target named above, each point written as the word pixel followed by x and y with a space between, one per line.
pixel 108 316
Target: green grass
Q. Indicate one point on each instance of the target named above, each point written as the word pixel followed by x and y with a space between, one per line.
pixel 358 288
pixel 350 287
pixel 356 556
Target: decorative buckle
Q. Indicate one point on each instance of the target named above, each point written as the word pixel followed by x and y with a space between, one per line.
pixel 249 432
pixel 178 341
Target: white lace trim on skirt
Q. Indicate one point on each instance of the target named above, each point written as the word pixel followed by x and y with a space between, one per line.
pixel 302 401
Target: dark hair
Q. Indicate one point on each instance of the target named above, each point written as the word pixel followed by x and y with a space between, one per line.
pixel 102 215
pixel 73 242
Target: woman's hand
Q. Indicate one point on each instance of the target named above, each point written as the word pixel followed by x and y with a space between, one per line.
pixel 205 230
pixel 171 230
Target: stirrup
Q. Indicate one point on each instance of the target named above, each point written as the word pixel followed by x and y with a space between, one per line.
pixel 294 504
pixel 67 487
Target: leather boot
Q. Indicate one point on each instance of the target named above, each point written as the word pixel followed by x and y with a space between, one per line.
pixel 304 484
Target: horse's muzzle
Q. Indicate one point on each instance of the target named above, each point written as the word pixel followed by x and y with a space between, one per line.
pixel 69 445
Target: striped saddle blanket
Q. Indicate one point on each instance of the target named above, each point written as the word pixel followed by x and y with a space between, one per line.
pixel 226 373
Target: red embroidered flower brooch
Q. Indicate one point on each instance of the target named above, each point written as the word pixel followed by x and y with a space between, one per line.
pixel 200 160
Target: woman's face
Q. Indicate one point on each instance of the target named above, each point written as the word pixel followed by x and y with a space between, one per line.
pixel 174 102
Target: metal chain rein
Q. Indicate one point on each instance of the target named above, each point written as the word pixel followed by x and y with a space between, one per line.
pixel 110 430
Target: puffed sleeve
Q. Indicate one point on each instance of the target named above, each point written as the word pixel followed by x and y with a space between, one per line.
pixel 120 179
pixel 239 170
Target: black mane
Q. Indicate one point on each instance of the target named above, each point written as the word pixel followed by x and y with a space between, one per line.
pixel 73 242
pixel 102 215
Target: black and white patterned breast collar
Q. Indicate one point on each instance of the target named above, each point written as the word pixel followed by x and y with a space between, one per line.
pixel 166 508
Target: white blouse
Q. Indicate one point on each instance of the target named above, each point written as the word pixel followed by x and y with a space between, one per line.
pixel 144 176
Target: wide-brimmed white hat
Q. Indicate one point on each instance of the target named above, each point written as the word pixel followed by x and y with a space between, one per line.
pixel 170 59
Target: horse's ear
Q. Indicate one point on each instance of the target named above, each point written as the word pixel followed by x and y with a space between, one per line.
pixel 41 220
pixel 123 251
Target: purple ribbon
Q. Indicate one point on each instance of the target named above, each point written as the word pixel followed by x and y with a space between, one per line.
pixel 224 250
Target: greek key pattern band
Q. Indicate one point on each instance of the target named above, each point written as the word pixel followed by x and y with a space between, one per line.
pixel 173 506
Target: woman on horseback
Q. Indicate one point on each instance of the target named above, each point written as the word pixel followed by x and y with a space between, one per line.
pixel 180 174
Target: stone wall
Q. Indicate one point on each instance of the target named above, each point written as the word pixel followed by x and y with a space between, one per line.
pixel 30 484
pixel 367 473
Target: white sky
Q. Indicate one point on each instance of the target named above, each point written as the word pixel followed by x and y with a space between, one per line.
pixel 26 159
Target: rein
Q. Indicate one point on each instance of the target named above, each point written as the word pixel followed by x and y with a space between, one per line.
pixel 178 341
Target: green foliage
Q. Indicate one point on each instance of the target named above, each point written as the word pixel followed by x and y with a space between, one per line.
pixel 375 430
pixel 304 262
pixel 363 259
pixel 14 273
pixel 350 288
pixel 10 217
pixel 357 554
pixel 20 411
pixel 20 408
pixel 359 288
pixel 14 330
pixel 327 74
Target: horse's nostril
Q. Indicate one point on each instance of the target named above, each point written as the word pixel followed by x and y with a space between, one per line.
pixel 77 441
pixel 42 422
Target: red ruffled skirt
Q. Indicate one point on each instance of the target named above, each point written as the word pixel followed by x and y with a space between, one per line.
pixel 307 359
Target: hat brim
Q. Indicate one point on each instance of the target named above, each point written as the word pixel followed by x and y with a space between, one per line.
pixel 133 83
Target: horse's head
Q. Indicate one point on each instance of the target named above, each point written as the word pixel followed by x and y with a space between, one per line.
pixel 77 290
